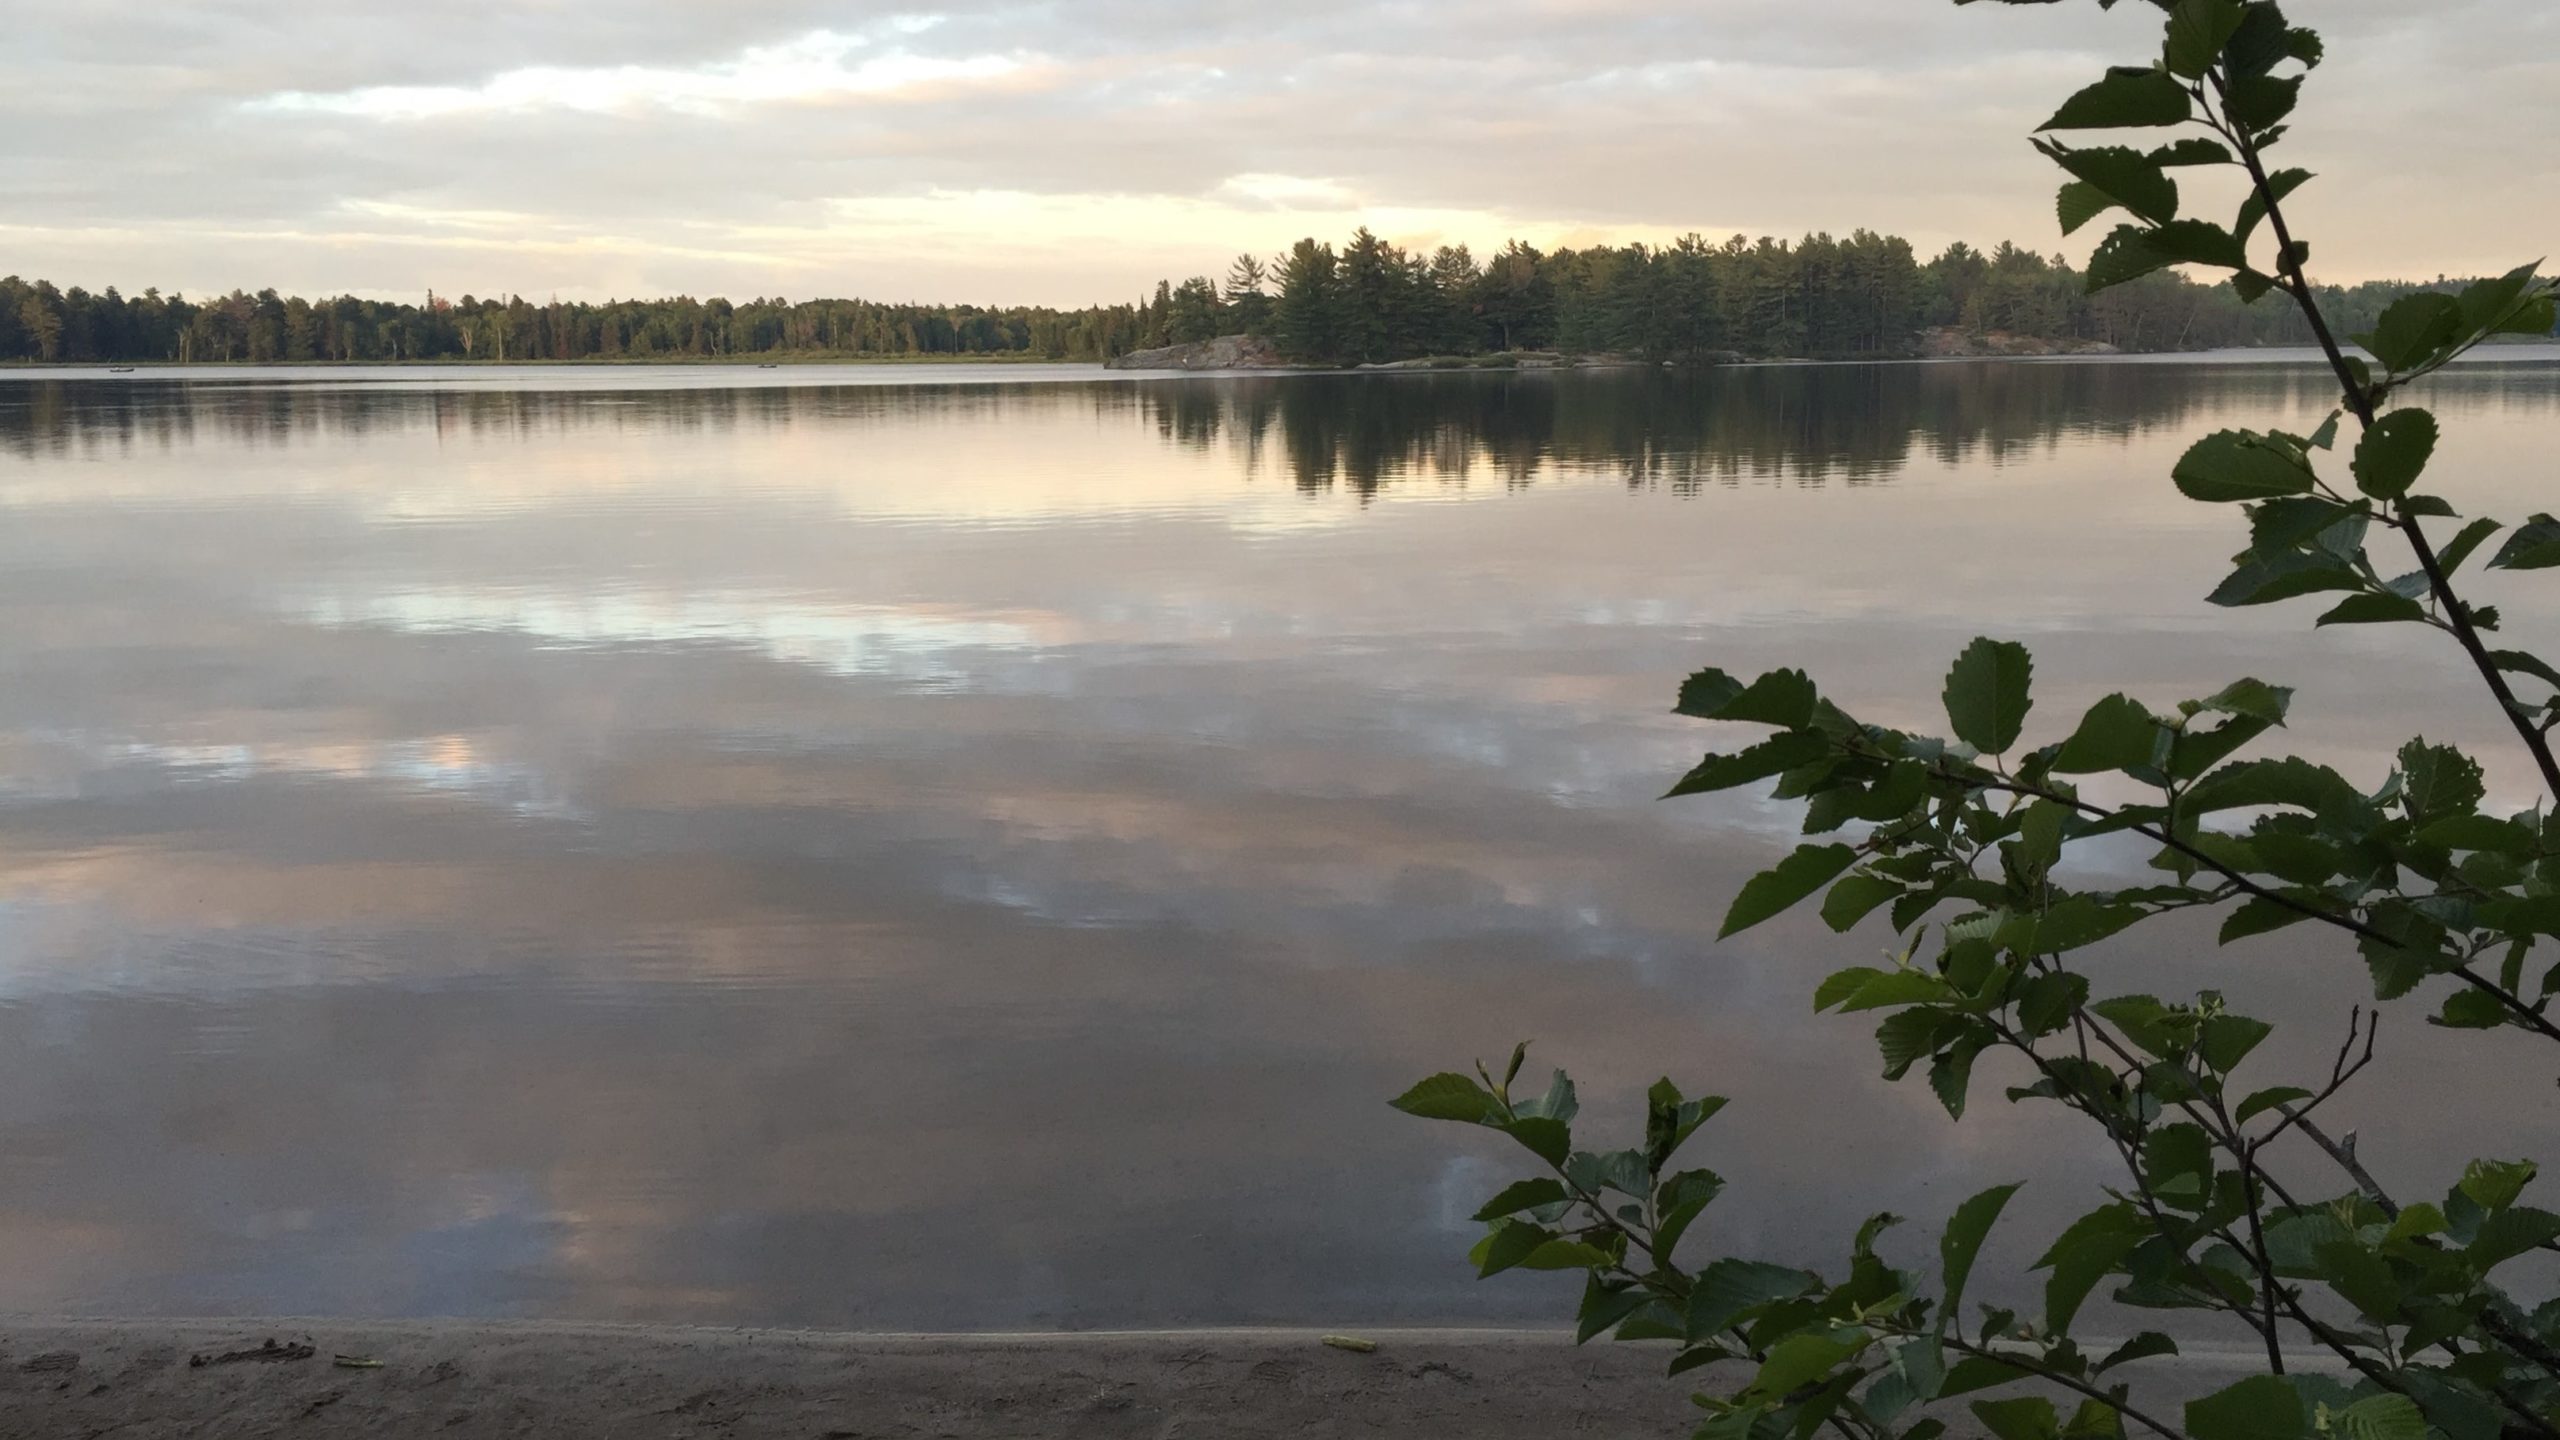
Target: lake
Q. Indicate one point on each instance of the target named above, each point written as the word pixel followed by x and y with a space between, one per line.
pixel 976 847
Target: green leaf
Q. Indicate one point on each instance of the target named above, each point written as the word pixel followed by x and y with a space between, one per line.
pixel 1603 1307
pixel 1446 1097
pixel 2233 465
pixel 1524 1195
pixel 2259 917
pixel 2129 177
pixel 2470 1010
pixel 2127 99
pixel 2265 579
pixel 2194 150
pixel 2198 29
pixel 2078 203
pixel 1564 1255
pixel 2262 1101
pixel 1506 1245
pixel 2381 1417
pixel 1775 889
pixel 1951 1074
pixel 2495 1184
pixel 2438 780
pixel 2255 699
pixel 1544 1136
pixel 2494 307
pixel 2260 101
pixel 1986 694
pixel 2413 329
pixel 2143 1346
pixel 2197 242
pixel 1796 1361
pixel 2534 546
pixel 2085 1254
pixel 2262 1407
pixel 1962 1241
pixel 1891 989
pixel 2393 452
pixel 2511 1232
pixel 2226 1040
pixel 1773 756
pixel 1729 1289
pixel 2254 209
pixel 2029 1417
pixel 2126 255
pixel 1783 698
pixel 2116 734
pixel 2372 609
pixel 1854 898
pixel 2460 547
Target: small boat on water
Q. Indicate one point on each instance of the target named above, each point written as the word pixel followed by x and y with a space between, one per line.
pixel 768 367
pixel 119 369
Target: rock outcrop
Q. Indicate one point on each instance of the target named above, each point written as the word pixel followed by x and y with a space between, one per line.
pixel 1227 352
pixel 1949 342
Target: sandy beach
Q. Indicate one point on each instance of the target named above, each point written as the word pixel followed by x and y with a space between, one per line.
pixel 469 1380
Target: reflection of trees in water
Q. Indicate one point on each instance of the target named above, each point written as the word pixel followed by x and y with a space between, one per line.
pixel 1682 431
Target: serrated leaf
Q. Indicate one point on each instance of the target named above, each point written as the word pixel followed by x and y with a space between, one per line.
pixel 2117 733
pixel 2262 1407
pixel 2128 177
pixel 1987 694
pixel 2143 1346
pixel 2254 209
pixel 2028 1417
pixel 2372 609
pixel 2231 465
pixel 2534 546
pixel 2459 548
pixel 1774 890
pixel 2198 29
pixel 1773 756
pixel 2078 203
pixel 2413 328
pixel 2381 1417
pixel 1784 698
pixel 1797 1361
pixel 2393 452
pixel 2127 99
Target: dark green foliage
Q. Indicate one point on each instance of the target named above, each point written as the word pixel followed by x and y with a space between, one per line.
pixel 1959 844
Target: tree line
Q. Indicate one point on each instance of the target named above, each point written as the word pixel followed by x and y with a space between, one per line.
pixel 1367 301
pixel 1867 296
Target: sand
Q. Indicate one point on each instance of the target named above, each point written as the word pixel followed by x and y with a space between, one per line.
pixel 464 1381
pixel 467 1380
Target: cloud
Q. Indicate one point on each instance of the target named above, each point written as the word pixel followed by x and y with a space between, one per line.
pixel 817 66
pixel 1006 150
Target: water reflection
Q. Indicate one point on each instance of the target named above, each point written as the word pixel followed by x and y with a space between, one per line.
pixel 935 854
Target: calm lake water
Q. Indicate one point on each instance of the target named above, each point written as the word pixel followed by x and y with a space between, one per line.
pixel 977 847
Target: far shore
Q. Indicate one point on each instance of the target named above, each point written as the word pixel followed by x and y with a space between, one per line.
pixel 477 1380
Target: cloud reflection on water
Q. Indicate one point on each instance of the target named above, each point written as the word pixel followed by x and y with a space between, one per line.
pixel 936 855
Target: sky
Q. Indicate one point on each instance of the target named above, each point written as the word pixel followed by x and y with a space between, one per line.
pixel 1013 151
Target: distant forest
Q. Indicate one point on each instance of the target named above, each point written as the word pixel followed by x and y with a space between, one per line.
pixel 1368 301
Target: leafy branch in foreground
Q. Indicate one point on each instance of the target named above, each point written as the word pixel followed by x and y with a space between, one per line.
pixel 2233 1201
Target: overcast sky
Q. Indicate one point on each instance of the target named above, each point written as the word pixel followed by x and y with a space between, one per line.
pixel 1068 152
